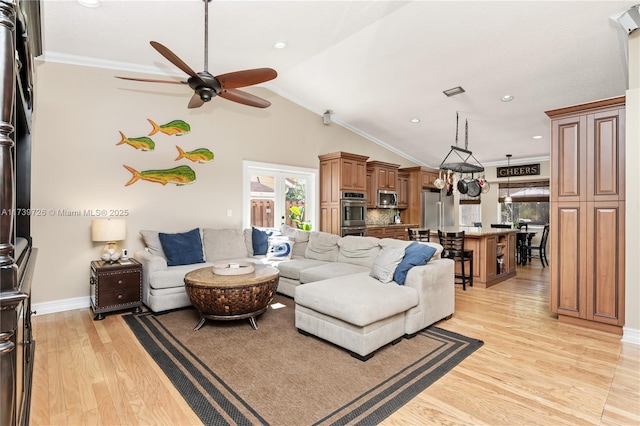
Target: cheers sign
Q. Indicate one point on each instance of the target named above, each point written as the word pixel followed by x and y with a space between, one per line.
pixel 522 170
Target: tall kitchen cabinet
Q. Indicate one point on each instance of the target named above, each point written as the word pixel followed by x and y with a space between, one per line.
pixel 419 178
pixel 587 209
pixel 339 171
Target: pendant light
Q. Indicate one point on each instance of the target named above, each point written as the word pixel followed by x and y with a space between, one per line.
pixel 508 199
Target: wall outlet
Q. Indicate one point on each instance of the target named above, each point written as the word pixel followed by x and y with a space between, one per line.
pixel 229 212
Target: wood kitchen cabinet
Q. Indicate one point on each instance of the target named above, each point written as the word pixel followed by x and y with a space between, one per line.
pixel 587 214
pixel 398 232
pixel 403 190
pixel 383 175
pixel 371 191
pixel 339 171
pixel 419 178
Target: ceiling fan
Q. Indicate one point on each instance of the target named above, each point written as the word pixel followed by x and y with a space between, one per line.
pixel 206 85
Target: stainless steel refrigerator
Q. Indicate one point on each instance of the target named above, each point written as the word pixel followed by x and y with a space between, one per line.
pixel 437 209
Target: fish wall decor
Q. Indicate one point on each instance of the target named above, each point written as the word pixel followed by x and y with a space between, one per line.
pixel 144 143
pixel 175 127
pixel 180 175
pixel 200 155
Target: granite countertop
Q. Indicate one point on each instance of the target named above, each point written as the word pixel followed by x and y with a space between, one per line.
pixel 478 232
pixel 394 225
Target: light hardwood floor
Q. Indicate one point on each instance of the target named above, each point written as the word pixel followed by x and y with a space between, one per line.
pixel 531 369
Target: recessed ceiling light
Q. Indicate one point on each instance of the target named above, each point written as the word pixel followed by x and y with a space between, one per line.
pixel 280 45
pixel 415 120
pixel 89 3
pixel 506 98
pixel 454 91
pixel 537 137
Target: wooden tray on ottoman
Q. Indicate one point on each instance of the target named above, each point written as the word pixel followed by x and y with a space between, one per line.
pixel 231 297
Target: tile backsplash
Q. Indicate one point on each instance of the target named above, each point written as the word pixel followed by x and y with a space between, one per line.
pixel 380 217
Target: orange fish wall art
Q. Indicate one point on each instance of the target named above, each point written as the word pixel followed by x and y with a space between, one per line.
pixel 179 175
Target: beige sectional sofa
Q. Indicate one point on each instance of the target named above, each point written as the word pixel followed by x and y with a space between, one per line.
pixel 341 286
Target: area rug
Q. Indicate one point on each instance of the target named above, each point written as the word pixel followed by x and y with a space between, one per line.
pixel 231 374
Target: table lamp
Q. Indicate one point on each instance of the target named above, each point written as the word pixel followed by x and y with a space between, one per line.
pixel 109 231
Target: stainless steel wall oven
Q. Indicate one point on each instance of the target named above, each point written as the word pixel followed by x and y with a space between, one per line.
pixel 353 209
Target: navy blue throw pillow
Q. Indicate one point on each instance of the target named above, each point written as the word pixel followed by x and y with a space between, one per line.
pixel 259 240
pixel 415 254
pixel 183 248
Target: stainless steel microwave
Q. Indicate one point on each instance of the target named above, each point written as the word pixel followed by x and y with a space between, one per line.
pixel 387 199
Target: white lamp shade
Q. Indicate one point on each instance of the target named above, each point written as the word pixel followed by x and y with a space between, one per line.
pixel 108 229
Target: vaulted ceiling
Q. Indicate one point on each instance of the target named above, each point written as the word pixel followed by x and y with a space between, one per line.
pixel 376 64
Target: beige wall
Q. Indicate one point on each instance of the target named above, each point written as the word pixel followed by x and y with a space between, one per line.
pixel 77 165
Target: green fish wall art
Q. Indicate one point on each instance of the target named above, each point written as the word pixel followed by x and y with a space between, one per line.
pixel 180 175
pixel 200 155
pixel 175 127
pixel 144 143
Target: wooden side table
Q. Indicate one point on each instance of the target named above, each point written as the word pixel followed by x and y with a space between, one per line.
pixel 115 286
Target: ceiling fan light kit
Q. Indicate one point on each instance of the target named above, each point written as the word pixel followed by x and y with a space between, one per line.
pixel 207 86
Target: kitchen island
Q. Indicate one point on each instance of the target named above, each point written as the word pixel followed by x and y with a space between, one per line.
pixel 494 253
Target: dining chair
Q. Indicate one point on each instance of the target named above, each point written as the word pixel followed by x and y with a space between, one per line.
pixel 501 225
pixel 420 234
pixel 453 245
pixel 541 248
pixel 525 226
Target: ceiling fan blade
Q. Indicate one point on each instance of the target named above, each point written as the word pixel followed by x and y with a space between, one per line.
pixel 173 58
pixel 147 80
pixel 244 98
pixel 196 101
pixel 236 79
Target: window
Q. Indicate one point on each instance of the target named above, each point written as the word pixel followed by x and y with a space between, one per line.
pixel 530 202
pixel 469 211
pixel 275 194
pixel 470 214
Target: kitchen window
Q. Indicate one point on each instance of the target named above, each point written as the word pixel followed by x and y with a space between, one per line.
pixel 530 202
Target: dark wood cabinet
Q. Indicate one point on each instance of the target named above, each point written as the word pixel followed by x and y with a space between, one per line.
pixel 587 213
pixel 115 286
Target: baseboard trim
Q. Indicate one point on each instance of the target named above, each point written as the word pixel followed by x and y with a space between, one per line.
pixel 630 335
pixel 61 305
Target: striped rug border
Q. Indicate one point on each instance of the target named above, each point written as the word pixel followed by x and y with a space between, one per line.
pixel 216 403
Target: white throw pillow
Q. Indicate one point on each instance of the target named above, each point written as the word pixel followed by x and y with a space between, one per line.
pixel 386 262
pixel 280 248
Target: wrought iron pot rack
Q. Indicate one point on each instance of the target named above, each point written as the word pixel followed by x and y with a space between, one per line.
pixel 463 166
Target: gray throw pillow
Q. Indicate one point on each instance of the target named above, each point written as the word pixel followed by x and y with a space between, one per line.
pixel 153 244
pixel 386 263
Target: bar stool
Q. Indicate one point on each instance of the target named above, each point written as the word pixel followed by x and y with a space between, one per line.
pixel 453 244
pixel 421 234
